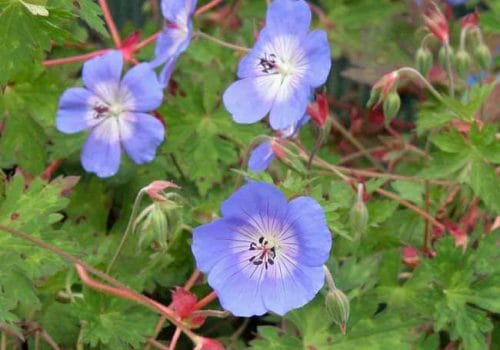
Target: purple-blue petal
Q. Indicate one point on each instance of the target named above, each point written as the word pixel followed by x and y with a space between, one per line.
pixel 249 64
pixel 171 43
pixel 317 50
pixel 142 83
pixel 261 157
pixel 101 152
pixel 309 224
pixel 177 10
pixel 291 17
pixel 103 69
pixel 144 134
pixel 75 111
pixel 289 106
pixel 289 286
pixel 166 72
pixel 255 199
pixel 250 99
pixel 236 282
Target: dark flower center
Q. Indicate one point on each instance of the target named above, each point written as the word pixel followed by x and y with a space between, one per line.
pixel 100 111
pixel 266 253
pixel 268 63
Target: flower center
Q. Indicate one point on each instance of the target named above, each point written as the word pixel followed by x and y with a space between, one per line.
pixel 269 64
pixel 265 249
pixel 105 111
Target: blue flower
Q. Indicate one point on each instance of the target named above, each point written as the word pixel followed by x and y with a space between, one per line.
pixel 264 254
pixel 278 74
pixel 115 110
pixel 175 37
pixel 263 155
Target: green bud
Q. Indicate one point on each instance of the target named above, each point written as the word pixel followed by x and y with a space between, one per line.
pixel 358 218
pixel 462 63
pixel 423 59
pixel 157 225
pixel 338 308
pixel 374 98
pixel 483 56
pixel 442 56
pixel 392 104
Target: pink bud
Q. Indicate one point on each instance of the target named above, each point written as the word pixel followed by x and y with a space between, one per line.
pixel 471 20
pixel 155 189
pixel 410 257
pixel 277 149
pixel 208 344
pixel 458 233
pixel 128 46
pixel 319 109
pixel 436 23
pixel 183 302
pixel 386 84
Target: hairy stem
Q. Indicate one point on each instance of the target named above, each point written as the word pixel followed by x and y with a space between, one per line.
pixel 73 59
pixel 205 301
pixel 110 23
pixel 220 42
pixel 128 230
pixel 329 279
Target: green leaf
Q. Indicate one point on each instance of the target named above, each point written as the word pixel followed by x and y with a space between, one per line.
pixel 451 142
pixel 485 183
pixel 91 13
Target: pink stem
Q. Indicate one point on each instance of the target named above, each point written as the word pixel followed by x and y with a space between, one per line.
pixel 73 59
pixel 110 23
pixel 192 280
pixel 207 7
pixel 205 301
pixel 175 339
pixel 146 41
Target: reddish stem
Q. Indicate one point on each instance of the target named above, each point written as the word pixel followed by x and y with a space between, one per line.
pixel 110 23
pixel 175 339
pixel 205 301
pixel 146 41
pixel 192 280
pixel 47 173
pixel 73 59
pixel 207 7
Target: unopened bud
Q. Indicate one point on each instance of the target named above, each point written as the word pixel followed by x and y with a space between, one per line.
pixel 423 60
pixel 483 56
pixel 462 63
pixel 157 224
pixel 392 104
pixel 442 55
pixel 374 98
pixel 338 308
pixel 208 344
pixel 358 216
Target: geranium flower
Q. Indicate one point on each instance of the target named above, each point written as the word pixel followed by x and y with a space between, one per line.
pixel 175 37
pixel 263 155
pixel 115 110
pixel 264 254
pixel 278 74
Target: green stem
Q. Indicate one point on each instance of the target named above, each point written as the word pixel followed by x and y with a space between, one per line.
pixel 449 70
pixel 130 228
pixel 220 42
pixel 3 344
pixel 329 279
pixel 415 73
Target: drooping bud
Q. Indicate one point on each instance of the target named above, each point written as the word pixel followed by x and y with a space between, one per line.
pixel 462 63
pixel 375 95
pixel 155 189
pixel 157 224
pixel 442 55
pixel 338 308
pixel 392 104
pixel 319 109
pixel 483 56
pixel 436 23
pixel 358 216
pixel 471 20
pixel 423 60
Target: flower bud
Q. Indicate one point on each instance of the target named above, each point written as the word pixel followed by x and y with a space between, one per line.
pixel 442 56
pixel 358 216
pixel 338 308
pixel 423 60
pixel 462 63
pixel 208 344
pixel 374 98
pixel 157 224
pixel 392 104
pixel 436 23
pixel 483 56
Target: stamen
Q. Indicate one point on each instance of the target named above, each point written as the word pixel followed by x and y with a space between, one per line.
pixel 268 63
pixel 100 111
pixel 265 255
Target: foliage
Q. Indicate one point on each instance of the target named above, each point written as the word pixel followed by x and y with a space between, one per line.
pixel 437 159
